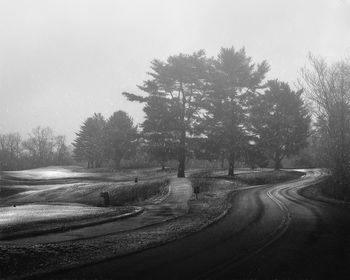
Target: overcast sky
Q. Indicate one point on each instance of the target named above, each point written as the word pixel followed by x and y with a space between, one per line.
pixel 61 61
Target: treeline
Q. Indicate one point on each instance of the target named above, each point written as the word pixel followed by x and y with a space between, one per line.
pixel 207 108
pixel 41 148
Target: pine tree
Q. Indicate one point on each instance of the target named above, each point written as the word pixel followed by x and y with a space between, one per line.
pixel 281 121
pixel 89 143
pixel 234 80
pixel 120 137
pixel 179 83
pixel 157 131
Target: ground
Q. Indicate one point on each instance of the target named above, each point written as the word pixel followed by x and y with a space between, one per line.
pixel 213 204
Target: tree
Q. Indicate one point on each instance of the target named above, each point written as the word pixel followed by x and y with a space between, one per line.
pixel 157 131
pixel 328 89
pixel 10 151
pixel 281 121
pixel 89 143
pixel 120 137
pixel 62 155
pixel 179 84
pixel 234 80
pixel 40 146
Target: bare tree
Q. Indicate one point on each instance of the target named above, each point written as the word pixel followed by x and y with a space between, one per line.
pixel 40 146
pixel 328 89
pixel 10 151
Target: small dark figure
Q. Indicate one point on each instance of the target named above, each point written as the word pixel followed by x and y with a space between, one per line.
pixel 196 190
pixel 105 196
pixel 136 179
pixel 14 205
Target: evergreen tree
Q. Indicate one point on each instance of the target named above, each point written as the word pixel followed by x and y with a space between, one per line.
pixel 281 121
pixel 157 131
pixel 179 84
pixel 89 143
pixel 234 80
pixel 120 137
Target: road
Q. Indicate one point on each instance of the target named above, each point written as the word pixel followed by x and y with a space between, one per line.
pixel 270 232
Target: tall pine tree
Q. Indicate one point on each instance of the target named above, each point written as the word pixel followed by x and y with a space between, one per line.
pixel 179 85
pixel 281 121
pixel 89 143
pixel 234 81
pixel 120 137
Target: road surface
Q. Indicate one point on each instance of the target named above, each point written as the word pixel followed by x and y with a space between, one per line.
pixel 270 232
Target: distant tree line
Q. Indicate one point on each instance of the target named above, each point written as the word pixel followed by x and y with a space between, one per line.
pixel 41 148
pixel 208 108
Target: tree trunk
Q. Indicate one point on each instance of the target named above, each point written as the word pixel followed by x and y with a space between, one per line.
pixel 182 156
pixel 231 164
pixel 222 160
pixel 117 161
pixel 278 161
pixel 278 165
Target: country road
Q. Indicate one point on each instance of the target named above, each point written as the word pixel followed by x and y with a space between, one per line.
pixel 270 232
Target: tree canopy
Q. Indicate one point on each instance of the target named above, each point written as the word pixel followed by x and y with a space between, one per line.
pixel 89 143
pixel 120 137
pixel 281 121
pixel 234 80
pixel 179 84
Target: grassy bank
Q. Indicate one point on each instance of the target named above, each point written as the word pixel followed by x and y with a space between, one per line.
pixel 61 221
pixel 251 178
pixel 327 190
pixel 89 193
pixel 268 177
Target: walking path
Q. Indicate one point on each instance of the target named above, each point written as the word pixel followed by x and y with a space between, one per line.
pixel 174 205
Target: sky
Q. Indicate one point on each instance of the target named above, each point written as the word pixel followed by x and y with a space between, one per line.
pixel 61 61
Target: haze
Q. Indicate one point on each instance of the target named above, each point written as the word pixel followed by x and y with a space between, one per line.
pixel 61 61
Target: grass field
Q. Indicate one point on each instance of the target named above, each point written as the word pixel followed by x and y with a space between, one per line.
pixel 76 185
pixel 268 177
pixel 56 198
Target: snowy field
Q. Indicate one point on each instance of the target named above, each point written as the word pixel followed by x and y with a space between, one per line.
pixel 52 196
pixel 10 216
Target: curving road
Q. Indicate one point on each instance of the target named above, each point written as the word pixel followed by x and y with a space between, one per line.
pixel 270 232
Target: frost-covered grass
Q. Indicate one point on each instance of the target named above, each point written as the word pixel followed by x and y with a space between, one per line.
pixel 268 177
pixel 60 174
pixel 72 184
pixel 40 212
pixel 89 193
pixel 327 190
pixel 32 219
pixel 204 178
pixel 49 205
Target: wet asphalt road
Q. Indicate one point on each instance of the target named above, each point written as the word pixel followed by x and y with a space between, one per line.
pixel 270 232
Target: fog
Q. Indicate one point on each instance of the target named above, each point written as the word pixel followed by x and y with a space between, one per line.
pixel 61 61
